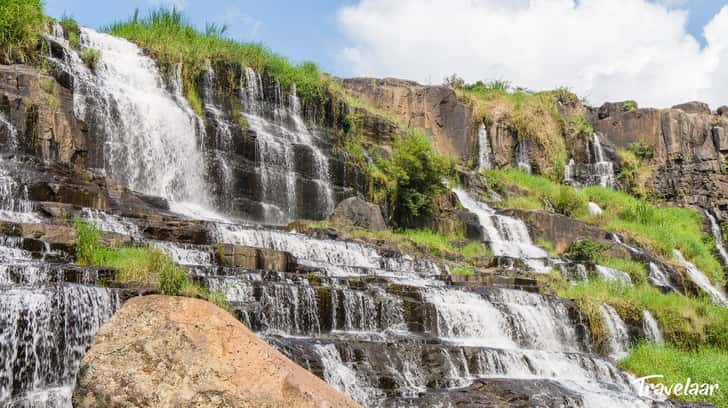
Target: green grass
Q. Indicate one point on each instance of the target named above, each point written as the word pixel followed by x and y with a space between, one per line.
pixel 90 57
pixel 71 31
pixel 475 250
pixel 686 322
pixel 704 365
pixel 21 23
pixel 462 271
pixel 658 228
pixel 143 266
pixel 170 38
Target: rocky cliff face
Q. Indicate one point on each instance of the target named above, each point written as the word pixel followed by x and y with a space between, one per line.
pixel 434 109
pixel 178 352
pixel 689 144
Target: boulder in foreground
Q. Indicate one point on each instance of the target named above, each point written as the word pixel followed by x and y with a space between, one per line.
pixel 180 352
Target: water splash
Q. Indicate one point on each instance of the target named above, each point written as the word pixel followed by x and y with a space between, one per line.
pixel 613 275
pixel 507 236
pixel 484 150
pixel 701 280
pixel 717 237
pixel 650 327
pixel 617 330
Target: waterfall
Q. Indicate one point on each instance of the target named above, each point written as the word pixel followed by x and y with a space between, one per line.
pixel 569 172
pixel 521 159
pixel 484 150
pixel 617 331
pixel 717 237
pixel 701 280
pixel 603 167
pixel 342 377
pixel 289 161
pixel 657 277
pixel 650 327
pixel 151 139
pixel 12 208
pixel 111 223
pixel 11 136
pixel 45 333
pixel 507 236
pixel 613 275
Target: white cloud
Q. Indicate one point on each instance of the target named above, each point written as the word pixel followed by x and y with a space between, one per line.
pixel 179 4
pixel 602 49
pixel 241 25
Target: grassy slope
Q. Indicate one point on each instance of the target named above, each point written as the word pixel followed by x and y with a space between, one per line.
pixel 659 229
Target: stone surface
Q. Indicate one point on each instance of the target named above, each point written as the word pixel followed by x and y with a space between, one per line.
pixel 723 111
pixel 434 109
pixel 180 352
pixel 693 107
pixel 254 258
pixel 359 213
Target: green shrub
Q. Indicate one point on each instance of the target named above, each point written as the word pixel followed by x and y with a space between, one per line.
pixel 414 175
pixel 629 106
pixel 88 237
pixel 641 150
pixel 21 23
pixel 568 201
pixel 462 271
pixel 172 279
pixel 91 57
pixel 586 250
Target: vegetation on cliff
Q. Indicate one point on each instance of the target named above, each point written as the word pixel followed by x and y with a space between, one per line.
pixel 658 228
pixel 21 23
pixel 170 38
pixel 145 266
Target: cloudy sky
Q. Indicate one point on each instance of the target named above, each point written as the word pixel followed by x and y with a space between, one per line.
pixel 659 52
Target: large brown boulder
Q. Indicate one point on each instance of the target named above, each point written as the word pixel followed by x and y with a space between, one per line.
pixel 160 351
pixel 359 213
pixel 693 107
pixel 434 109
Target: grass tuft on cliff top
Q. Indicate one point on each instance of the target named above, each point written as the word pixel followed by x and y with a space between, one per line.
pixel 659 229
pixel 169 36
pixel 21 24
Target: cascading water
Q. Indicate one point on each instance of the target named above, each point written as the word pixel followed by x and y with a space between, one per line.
pixel 594 209
pixel 657 277
pixel 484 151
pixel 603 168
pixel 701 280
pixel 150 142
pixel 613 275
pixel 507 236
pixel 288 158
pixel 521 159
pixel 650 327
pixel 718 238
pixel 617 331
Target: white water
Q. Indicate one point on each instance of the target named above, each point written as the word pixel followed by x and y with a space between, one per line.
pixel 701 280
pixel 111 223
pixel 12 133
pixel 12 207
pixel 657 277
pixel 650 327
pixel 344 378
pixel 603 167
pixel 613 275
pixel 277 140
pixel 151 140
pixel 617 330
pixel 507 236
pixel 484 151
pixel 594 209
pixel 718 238
pixel 522 160
pixel 569 172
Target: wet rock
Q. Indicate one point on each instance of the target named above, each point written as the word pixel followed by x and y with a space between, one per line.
pixel 172 351
pixel 359 213
pixel 723 111
pixel 254 258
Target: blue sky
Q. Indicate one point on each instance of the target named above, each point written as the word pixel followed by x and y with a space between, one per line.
pixel 650 50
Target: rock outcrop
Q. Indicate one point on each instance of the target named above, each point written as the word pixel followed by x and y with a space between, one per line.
pixel 179 352
pixel 688 144
pixel 359 213
pixel 434 109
